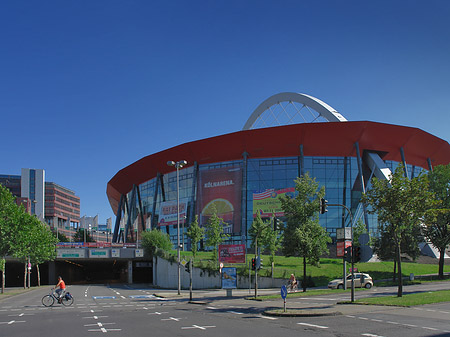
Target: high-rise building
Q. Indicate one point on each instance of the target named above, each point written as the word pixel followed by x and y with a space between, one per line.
pixel 58 206
pixel 62 207
pixel 32 187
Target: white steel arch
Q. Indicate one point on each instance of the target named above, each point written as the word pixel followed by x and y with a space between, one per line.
pixel 281 109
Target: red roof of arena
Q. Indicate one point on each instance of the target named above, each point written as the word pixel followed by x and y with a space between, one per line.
pixel 319 139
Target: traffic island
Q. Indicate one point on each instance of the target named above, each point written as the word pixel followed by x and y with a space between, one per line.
pixel 305 312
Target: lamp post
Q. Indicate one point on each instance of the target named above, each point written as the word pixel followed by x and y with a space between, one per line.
pixel 178 165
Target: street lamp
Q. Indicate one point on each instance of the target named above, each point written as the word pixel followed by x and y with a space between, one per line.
pixel 178 165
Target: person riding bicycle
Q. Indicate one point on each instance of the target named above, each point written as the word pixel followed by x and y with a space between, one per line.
pixel 292 281
pixel 60 287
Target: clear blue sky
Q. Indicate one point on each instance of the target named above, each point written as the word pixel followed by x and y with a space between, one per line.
pixel 88 87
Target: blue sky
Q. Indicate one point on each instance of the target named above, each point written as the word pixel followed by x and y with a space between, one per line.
pixel 89 87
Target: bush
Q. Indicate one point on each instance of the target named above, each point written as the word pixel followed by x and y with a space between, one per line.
pixel 154 241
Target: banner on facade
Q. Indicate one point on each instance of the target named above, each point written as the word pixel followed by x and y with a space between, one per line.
pixel 232 253
pixel 220 189
pixel 168 212
pixel 268 203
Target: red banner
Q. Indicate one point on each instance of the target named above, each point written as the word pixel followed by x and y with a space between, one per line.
pixel 221 189
pixel 232 253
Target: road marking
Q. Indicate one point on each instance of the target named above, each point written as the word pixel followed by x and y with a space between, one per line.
pixel 157 313
pixel 428 328
pixel 198 327
pixel 104 297
pixel 212 308
pixel 313 325
pixel 235 312
pixel 370 335
pixel 267 317
pixel 170 319
pixel 12 322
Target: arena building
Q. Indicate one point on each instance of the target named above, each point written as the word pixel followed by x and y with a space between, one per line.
pixel 245 172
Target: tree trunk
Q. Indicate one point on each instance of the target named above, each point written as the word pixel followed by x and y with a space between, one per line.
pixel 25 277
pixel 394 276
pixel 304 274
pixel 38 275
pixel 3 281
pixel 400 278
pixel 441 263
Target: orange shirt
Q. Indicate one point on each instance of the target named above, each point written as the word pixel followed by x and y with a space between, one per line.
pixel 61 284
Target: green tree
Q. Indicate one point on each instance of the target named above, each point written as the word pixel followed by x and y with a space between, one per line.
pixel 400 205
pixel 258 230
pixel 272 241
pixel 384 245
pixel 358 229
pixel 195 233
pixel 155 240
pixel 9 224
pixel 214 232
pixel 437 220
pixel 80 236
pixel 303 236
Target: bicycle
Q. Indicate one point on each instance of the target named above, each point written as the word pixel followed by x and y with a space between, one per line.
pixel 291 288
pixel 66 299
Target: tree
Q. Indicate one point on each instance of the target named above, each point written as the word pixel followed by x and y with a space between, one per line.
pixel 384 245
pixel 272 241
pixel 214 232
pixel 258 231
pixel 195 233
pixel 81 236
pixel 155 240
pixel 9 213
pixel 400 205
pixel 304 236
pixel 437 220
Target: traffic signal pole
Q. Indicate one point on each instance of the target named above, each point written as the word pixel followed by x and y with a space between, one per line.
pixel 322 209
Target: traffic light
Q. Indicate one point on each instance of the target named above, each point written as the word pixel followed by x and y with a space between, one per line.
pixel 253 263
pixel 258 263
pixel 356 254
pixel 348 254
pixel 277 224
pixel 323 206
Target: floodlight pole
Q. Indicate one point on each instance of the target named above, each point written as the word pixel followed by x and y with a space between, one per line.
pixel 178 165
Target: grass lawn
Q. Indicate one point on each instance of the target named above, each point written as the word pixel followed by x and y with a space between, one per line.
pixel 329 268
pixel 409 299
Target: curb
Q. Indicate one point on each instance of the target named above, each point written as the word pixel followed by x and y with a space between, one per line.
pixel 298 313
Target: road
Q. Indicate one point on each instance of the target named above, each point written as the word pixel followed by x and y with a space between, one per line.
pixel 120 310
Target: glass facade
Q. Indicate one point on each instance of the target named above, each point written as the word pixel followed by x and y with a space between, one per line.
pixel 245 178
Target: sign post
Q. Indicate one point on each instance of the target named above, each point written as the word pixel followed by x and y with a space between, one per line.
pixel 283 296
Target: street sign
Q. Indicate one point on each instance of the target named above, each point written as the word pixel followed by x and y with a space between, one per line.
pixel 344 233
pixel 283 292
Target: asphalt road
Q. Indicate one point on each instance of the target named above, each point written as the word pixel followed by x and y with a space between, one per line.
pixel 124 311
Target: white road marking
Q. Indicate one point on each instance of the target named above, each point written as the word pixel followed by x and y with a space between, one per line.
pixel 313 325
pixel 170 319
pixel 157 313
pixel 235 312
pixel 198 327
pixel 12 322
pixel 370 335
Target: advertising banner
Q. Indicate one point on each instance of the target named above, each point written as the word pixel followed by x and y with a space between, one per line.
pixel 267 202
pixel 229 278
pixel 221 189
pixel 168 212
pixel 232 253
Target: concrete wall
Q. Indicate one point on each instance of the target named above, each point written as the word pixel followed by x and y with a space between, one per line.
pixel 165 275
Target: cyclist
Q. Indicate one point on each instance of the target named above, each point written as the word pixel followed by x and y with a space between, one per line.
pixel 60 287
pixel 292 282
